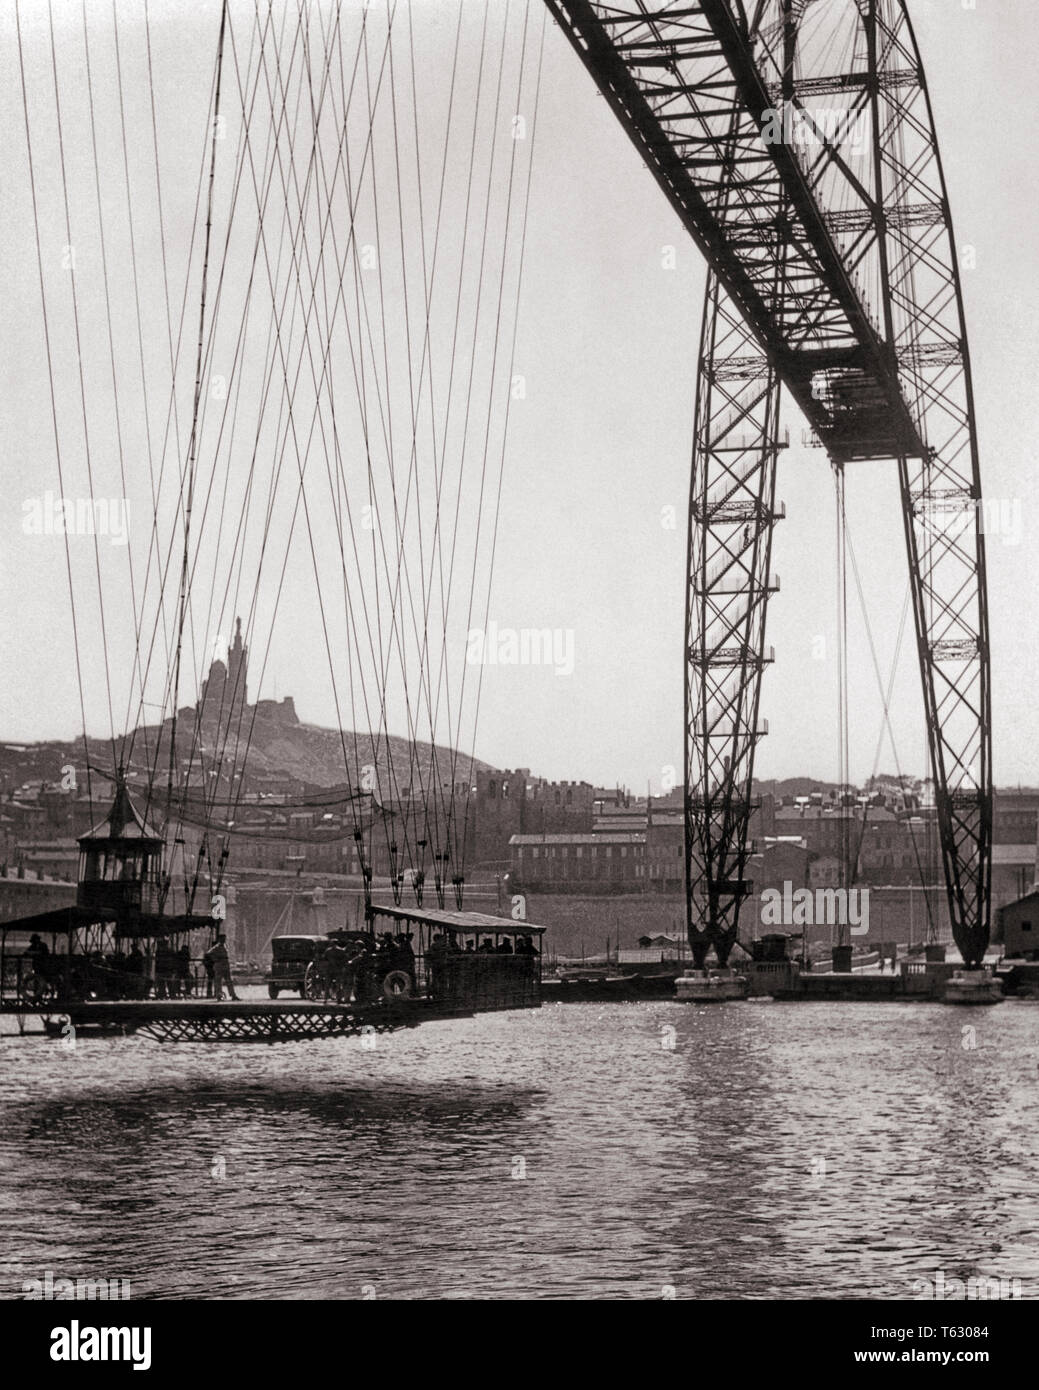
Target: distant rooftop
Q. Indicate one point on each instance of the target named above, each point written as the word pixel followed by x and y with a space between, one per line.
pixel 875 813
pixel 609 837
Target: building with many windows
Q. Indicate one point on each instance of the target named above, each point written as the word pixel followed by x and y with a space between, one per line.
pixel 611 862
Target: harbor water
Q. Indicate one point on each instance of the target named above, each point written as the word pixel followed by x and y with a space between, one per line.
pixel 647 1150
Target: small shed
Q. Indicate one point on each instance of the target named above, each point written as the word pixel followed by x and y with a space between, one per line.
pixel 656 943
pixel 1017 925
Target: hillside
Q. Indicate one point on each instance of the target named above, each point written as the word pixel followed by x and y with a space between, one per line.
pixel 282 750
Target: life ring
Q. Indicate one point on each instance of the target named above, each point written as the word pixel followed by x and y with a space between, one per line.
pixel 396 984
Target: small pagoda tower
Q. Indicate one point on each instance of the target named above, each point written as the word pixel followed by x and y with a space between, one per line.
pixel 120 861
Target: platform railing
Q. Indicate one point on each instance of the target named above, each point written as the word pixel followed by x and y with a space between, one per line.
pixel 485 981
pixel 58 976
pixel 455 980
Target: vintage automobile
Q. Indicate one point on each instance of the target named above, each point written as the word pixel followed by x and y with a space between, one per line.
pixel 290 956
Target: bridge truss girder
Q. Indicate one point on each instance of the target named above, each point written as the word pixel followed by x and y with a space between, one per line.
pixel 845 280
pixel 732 511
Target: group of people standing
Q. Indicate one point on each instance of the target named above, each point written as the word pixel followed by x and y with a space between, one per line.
pixel 174 978
pixel 126 974
pixel 217 965
pixel 355 970
pixel 173 973
pixel 448 976
pixel 114 974
pixel 524 947
pixel 448 945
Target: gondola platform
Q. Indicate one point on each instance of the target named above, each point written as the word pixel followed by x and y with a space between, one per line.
pixel 229 1020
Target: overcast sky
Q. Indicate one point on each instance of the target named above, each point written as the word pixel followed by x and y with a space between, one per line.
pixel 599 446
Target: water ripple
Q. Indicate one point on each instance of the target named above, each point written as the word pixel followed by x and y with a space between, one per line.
pixel 835 1151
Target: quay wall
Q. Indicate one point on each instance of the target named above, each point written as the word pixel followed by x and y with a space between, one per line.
pixel 579 924
pixel 260 907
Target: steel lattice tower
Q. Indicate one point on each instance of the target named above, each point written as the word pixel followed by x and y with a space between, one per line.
pixel 795 140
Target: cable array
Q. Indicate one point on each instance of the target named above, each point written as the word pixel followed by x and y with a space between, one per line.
pixel 306 390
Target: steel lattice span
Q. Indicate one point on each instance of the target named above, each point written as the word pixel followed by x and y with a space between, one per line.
pixel 796 142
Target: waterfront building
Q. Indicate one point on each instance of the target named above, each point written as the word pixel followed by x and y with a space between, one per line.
pixel 1017 927
pixel 571 863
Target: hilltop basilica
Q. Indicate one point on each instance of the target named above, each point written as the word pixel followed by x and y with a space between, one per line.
pixel 223 695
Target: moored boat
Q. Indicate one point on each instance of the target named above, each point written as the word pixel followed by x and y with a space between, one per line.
pixel 711 985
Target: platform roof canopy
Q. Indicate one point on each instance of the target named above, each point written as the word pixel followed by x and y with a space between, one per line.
pixel 457 921
pixel 58 919
pixel 123 823
pixel 73 918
